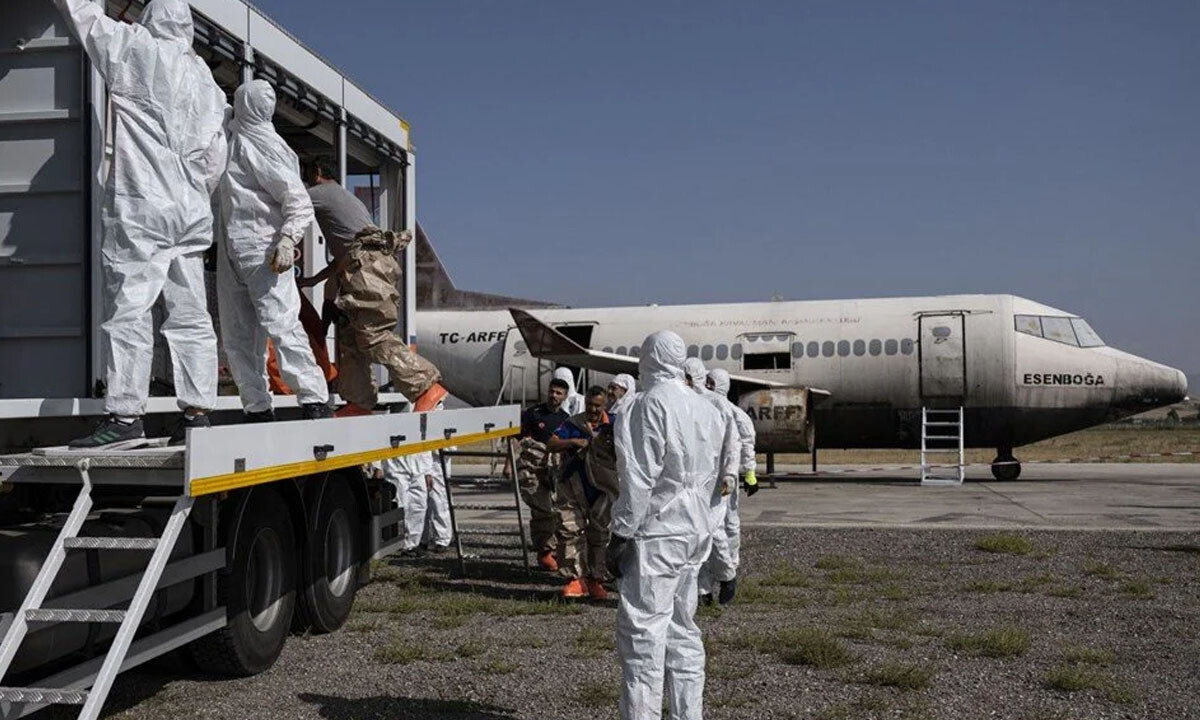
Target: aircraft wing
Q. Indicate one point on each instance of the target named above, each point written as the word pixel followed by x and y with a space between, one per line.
pixel 547 343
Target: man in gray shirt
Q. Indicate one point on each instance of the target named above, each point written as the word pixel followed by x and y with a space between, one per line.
pixel 363 279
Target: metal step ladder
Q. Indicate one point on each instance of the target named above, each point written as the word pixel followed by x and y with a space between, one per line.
pixel 469 543
pixel 32 610
pixel 942 435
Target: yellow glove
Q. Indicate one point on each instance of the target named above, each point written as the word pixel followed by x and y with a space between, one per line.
pixel 751 483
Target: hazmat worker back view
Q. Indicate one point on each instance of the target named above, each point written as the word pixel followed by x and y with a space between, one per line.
pixel 168 153
pixel 721 568
pixel 265 210
pixel 668 444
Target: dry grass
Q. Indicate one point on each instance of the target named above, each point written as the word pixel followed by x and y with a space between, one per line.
pixel 905 676
pixel 1098 442
pixel 1074 678
pixel 998 642
pixel 1004 543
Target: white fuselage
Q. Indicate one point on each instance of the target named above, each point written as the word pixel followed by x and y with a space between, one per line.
pixel 881 359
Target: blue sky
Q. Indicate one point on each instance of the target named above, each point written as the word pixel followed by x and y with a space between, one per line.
pixel 635 152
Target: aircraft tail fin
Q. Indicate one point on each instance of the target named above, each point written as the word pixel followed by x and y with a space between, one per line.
pixel 436 291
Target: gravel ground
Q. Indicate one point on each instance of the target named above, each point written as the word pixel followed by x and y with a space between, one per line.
pixel 831 624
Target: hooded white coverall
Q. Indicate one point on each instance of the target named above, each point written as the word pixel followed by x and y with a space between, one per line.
pixel 721 564
pixel 622 404
pixel 168 153
pixel 668 451
pixel 408 474
pixel 263 202
pixel 722 567
pixel 574 404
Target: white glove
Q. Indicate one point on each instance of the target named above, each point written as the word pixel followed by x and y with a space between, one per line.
pixel 284 256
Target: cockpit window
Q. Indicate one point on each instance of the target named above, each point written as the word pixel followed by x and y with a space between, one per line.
pixel 1030 325
pixel 1059 329
pixel 1087 336
pixel 1069 331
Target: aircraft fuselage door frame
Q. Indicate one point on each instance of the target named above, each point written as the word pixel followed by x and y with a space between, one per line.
pixel 942 356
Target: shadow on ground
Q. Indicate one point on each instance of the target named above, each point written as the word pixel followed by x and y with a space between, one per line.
pixel 382 707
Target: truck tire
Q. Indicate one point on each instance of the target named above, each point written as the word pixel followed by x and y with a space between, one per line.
pixel 258 590
pixel 331 562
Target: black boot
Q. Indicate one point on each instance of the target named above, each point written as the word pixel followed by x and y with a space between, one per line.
pixel 179 437
pixel 113 434
pixel 727 592
pixel 315 411
pixel 265 416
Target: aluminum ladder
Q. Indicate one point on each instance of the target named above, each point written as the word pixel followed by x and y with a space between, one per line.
pixel 475 548
pixel 32 610
pixel 941 434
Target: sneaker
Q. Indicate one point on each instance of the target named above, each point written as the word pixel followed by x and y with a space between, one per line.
pixel 547 561
pixel 179 437
pixel 265 416
pixel 315 411
pixel 430 398
pixel 596 590
pixel 351 410
pixel 727 592
pixel 112 434
pixel 575 589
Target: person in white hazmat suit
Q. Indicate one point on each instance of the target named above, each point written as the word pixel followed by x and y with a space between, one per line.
pixel 265 210
pixel 669 445
pixel 623 388
pixel 421 491
pixel 168 117
pixel 720 563
pixel 574 404
pixel 719 574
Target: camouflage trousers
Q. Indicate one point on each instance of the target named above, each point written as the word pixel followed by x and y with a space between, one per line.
pixel 583 531
pixel 368 303
pixel 535 481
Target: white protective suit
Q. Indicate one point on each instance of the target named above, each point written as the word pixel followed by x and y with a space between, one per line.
pixel 723 566
pixel 263 204
pixel 168 153
pixel 438 529
pixel 574 404
pixel 668 451
pixel 622 404
pixel 408 474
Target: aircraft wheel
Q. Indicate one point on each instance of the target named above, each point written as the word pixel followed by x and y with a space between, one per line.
pixel 1009 471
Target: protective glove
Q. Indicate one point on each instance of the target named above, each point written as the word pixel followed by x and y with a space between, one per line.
pixel 284 255
pixel 614 554
pixel 751 483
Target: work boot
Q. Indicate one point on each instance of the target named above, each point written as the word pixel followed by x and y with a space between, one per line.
pixel 727 592
pixel 596 590
pixel 575 589
pixel 112 433
pixel 264 416
pixel 179 437
pixel 430 398
pixel 351 410
pixel 315 411
pixel 414 552
pixel 547 561
pixel 705 599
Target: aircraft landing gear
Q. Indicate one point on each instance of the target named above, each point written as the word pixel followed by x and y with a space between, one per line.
pixel 1005 467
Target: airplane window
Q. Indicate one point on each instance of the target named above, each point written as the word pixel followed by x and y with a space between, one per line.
pixel 722 352
pixel 797 349
pixel 1058 329
pixel 876 347
pixel 906 346
pixel 814 348
pixel 1087 336
pixel 693 351
pixel 635 350
pixel 621 350
pixel 767 361
pixel 860 348
pixel 706 353
pixel 890 347
pixel 1030 325
pixel 735 352
pixel 941 331
pixel 827 348
pixel 607 350
pixel 843 348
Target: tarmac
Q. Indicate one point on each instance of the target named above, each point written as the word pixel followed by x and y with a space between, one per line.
pixel 1117 496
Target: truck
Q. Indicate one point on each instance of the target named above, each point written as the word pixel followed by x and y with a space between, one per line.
pixel 222 547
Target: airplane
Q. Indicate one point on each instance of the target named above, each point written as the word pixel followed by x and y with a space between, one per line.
pixel 1020 370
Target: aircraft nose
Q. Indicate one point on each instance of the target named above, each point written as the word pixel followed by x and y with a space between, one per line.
pixel 1145 385
pixel 1181 387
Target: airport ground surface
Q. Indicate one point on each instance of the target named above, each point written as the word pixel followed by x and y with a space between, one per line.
pixel 912 608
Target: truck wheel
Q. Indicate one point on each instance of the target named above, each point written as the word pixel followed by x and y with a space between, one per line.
pixel 258 590
pixel 331 563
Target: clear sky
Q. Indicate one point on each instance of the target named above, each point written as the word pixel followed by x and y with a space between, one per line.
pixel 627 152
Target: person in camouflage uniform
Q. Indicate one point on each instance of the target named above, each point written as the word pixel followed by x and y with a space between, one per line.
pixel 536 471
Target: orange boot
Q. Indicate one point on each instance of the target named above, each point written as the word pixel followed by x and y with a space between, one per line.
pixel 430 398
pixel 547 561
pixel 575 588
pixel 596 590
pixel 351 410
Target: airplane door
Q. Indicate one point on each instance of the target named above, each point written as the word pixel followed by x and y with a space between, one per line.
pixel 941 352
pixel 524 375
